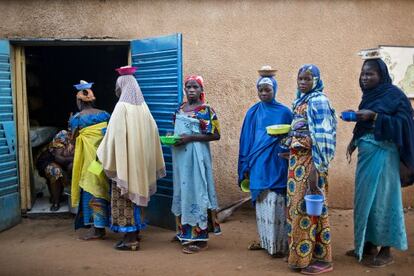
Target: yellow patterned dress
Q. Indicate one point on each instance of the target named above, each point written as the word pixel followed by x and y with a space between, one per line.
pixel 309 237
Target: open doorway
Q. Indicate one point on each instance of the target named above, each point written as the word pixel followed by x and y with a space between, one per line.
pixel 51 72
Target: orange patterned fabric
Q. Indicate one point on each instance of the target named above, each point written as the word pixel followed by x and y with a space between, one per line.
pixel 309 237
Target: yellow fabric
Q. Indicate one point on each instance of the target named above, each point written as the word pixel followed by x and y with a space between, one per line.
pixel 85 153
pixel 131 152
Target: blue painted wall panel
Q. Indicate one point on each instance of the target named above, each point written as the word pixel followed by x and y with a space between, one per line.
pixel 9 182
pixel 159 74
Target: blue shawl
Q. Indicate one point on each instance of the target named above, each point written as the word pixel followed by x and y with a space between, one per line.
pixel 258 153
pixel 394 121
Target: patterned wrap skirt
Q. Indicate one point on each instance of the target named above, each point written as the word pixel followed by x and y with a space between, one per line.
pixel 92 211
pixel 309 236
pixel 271 222
pixel 188 234
pixel 125 215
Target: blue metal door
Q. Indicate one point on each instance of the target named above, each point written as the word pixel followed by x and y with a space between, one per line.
pixel 159 74
pixel 9 192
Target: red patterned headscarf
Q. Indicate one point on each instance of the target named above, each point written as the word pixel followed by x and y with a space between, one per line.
pixel 200 81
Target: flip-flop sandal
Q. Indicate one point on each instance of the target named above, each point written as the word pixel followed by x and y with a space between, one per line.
pixel 378 262
pixel 315 269
pixel 54 208
pixel 255 246
pixel 129 246
pixel 192 248
pixel 118 243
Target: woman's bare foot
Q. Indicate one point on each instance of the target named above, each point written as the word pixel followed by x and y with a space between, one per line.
pixel 370 250
pixel 94 234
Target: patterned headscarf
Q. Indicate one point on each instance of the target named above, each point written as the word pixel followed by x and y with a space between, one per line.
pixel 321 119
pixel 316 74
pixel 128 90
pixel 200 81
pixel 317 86
pixel 60 140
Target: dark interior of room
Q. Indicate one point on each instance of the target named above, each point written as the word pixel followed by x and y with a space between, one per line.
pixel 51 72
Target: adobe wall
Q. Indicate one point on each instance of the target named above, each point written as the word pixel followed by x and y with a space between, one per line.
pixel 227 41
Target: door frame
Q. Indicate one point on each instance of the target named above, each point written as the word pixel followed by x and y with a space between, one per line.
pixel 24 153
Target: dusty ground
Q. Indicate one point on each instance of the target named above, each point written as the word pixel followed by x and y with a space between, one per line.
pixel 50 247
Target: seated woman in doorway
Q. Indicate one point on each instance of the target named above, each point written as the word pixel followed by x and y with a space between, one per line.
pixel 311 143
pixel 90 190
pixel 194 192
pixel 131 156
pixel 384 136
pixel 259 161
pixel 55 164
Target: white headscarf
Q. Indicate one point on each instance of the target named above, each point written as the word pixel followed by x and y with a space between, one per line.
pixel 128 89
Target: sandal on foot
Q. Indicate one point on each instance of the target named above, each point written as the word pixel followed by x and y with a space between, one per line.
pixel 192 248
pixel 315 269
pixel 254 246
pixel 380 262
pixel 174 239
pixel 54 207
pixel 127 246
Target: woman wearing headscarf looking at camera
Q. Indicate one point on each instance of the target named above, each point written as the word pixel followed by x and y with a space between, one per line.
pixel 259 161
pixel 131 156
pixel 89 191
pixel 194 193
pixel 384 136
pixel 312 142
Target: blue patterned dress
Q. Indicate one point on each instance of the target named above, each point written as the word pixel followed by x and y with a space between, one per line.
pixel 194 191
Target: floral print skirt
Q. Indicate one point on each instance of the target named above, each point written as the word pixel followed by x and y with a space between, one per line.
pixel 309 236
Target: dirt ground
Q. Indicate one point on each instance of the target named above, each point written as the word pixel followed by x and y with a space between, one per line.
pixel 50 247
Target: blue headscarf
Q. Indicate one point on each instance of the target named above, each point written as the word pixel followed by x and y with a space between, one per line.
pixel 394 121
pixel 267 80
pixel 258 152
pixel 321 119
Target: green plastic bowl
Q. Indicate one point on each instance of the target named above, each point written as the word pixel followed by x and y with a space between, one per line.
pixel 169 140
pixel 278 129
pixel 245 185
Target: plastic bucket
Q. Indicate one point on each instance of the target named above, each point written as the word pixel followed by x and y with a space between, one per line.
pixel 314 204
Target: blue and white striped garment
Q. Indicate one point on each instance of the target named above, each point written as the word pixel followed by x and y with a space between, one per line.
pixel 322 127
pixel 321 120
